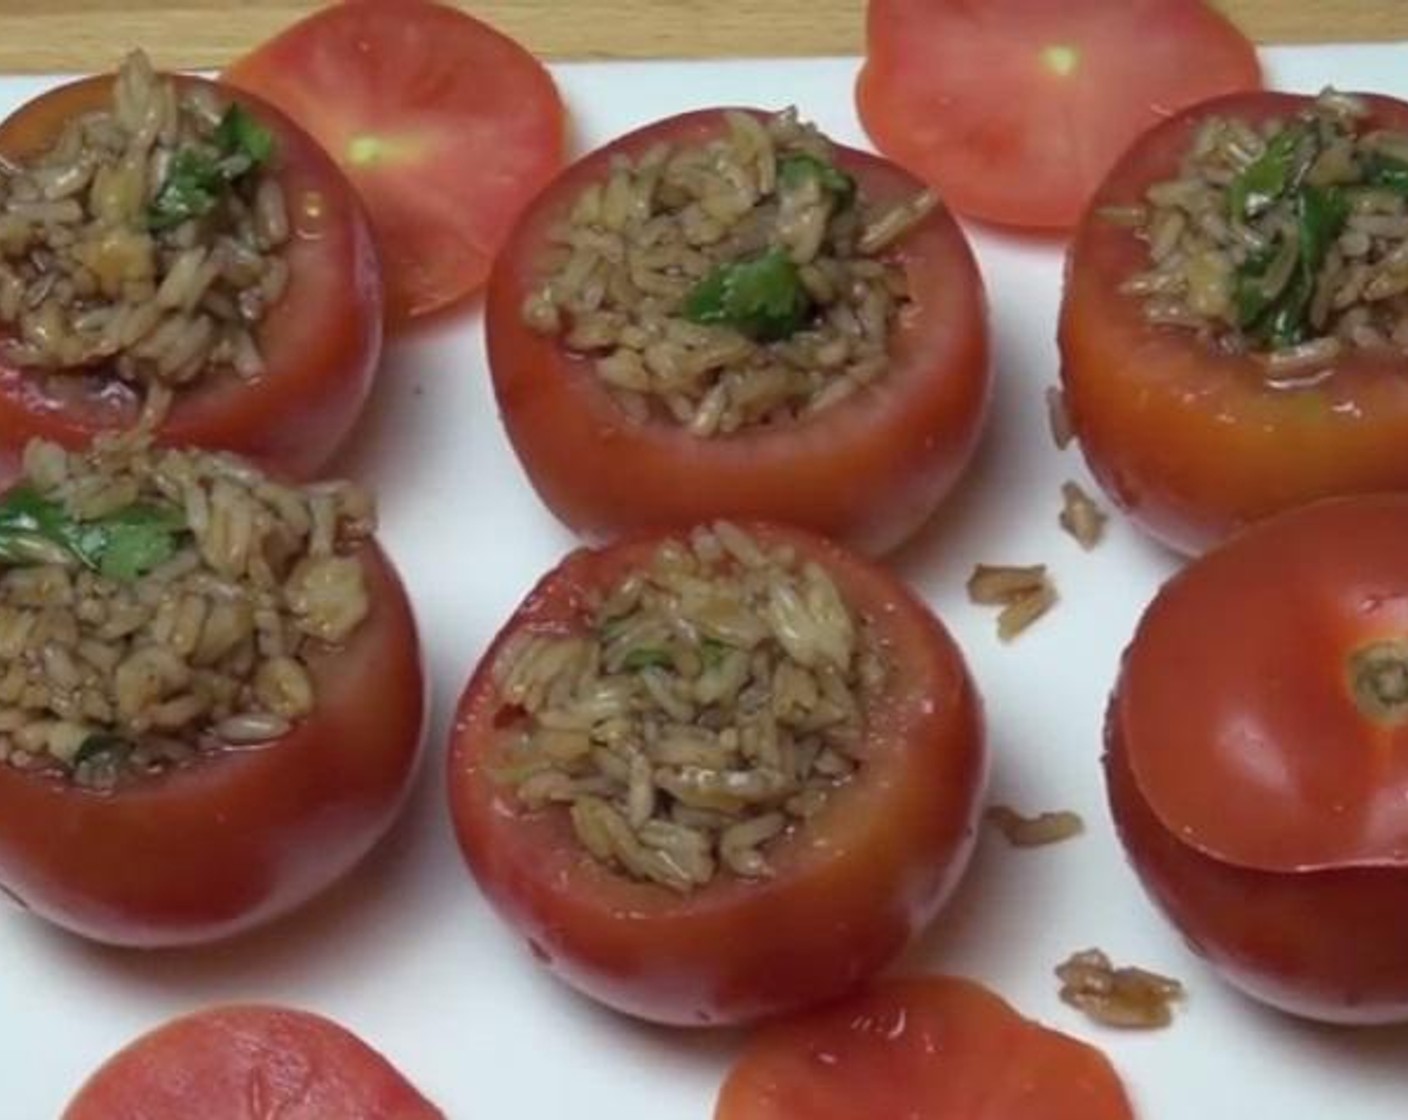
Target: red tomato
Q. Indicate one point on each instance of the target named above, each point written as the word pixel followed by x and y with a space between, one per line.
pixel 1262 801
pixel 1190 443
pixel 1016 109
pixel 930 1048
pixel 848 891
pixel 233 841
pixel 868 471
pixel 446 127
pixel 249 1063
pixel 321 342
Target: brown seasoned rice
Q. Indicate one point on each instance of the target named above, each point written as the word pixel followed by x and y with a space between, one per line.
pixel 90 285
pixel 717 700
pixel 1130 998
pixel 1024 592
pixel 1214 271
pixel 635 246
pixel 1021 831
pixel 1080 516
pixel 108 676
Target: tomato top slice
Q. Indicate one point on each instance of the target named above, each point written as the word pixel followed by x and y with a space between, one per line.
pixel 1016 109
pixel 930 1048
pixel 868 470
pixel 249 1063
pixel 847 890
pixel 446 127
pixel 1240 706
pixel 1194 442
pixel 321 341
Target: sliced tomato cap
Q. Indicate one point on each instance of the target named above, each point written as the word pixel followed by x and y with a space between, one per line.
pixel 929 1048
pixel 1270 738
pixel 446 127
pixel 1016 109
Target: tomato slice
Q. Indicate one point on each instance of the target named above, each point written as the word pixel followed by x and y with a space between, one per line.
pixel 1192 443
pixel 321 342
pixel 848 890
pixel 1261 792
pixel 1016 109
pixel 249 1062
pixel 928 1048
pixel 446 127
pixel 868 471
pixel 1237 702
pixel 226 844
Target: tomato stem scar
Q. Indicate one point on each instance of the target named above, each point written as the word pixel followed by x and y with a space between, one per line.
pixel 1060 59
pixel 1378 678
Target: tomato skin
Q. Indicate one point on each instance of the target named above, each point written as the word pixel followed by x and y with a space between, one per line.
pixel 321 342
pixel 924 1048
pixel 249 1062
pixel 231 843
pixel 868 471
pixel 1266 815
pixel 1016 109
pixel 1192 444
pixel 886 851
pixel 446 127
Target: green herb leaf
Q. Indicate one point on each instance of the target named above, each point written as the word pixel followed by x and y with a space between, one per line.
pixel 1263 182
pixel 101 746
pixel 1387 172
pixel 795 170
pixel 122 546
pixel 712 652
pixel 239 134
pixel 199 176
pixel 761 297
pixel 647 658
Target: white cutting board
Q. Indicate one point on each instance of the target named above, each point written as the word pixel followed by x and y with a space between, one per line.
pixel 407 953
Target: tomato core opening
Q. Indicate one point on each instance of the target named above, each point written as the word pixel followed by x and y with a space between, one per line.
pixel 1378 676
pixel 1061 59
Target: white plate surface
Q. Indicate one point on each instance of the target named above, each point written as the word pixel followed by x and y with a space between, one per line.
pixel 409 955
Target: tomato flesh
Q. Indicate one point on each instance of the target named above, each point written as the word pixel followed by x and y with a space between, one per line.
pixel 868 471
pixel 1190 443
pixel 931 1048
pixel 446 127
pixel 233 841
pixel 249 1062
pixel 1016 109
pixel 1265 809
pixel 849 889
pixel 321 342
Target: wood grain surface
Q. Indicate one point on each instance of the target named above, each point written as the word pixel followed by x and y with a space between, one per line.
pixel 46 36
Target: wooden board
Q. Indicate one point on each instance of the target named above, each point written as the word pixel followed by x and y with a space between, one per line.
pixel 46 36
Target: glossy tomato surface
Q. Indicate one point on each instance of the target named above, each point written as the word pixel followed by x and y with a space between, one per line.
pixel 867 471
pixel 849 889
pixel 1192 443
pixel 1017 109
pixel 249 1062
pixel 1262 799
pixel 927 1048
pixel 241 837
pixel 321 342
pixel 446 127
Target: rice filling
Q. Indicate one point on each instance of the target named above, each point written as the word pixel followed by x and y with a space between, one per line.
pixel 715 701
pixel 1288 240
pixel 161 605
pixel 721 286
pixel 146 244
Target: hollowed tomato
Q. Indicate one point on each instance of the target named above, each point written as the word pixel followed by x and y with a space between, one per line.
pixel 1193 443
pixel 320 342
pixel 248 1062
pixel 849 887
pixel 237 838
pixel 1257 758
pixel 868 470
